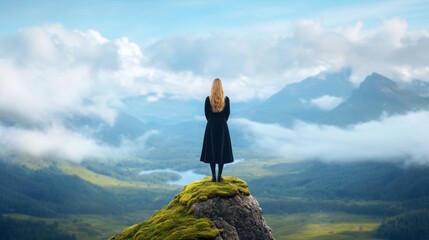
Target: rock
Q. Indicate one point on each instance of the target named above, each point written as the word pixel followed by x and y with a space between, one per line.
pixel 240 217
pixel 205 210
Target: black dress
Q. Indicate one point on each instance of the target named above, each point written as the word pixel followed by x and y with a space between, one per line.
pixel 217 141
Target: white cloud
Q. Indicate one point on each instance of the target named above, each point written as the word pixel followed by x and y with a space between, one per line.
pixel 326 102
pixel 304 49
pixel 49 73
pixel 59 143
pixel 55 142
pixel 392 138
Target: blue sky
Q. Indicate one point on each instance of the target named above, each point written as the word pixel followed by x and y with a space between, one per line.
pixel 143 21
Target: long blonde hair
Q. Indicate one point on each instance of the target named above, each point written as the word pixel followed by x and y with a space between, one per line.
pixel 217 97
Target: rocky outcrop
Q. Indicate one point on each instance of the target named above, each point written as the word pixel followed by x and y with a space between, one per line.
pixel 240 217
pixel 205 210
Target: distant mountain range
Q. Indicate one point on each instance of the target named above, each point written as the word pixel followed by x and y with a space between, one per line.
pixel 376 96
pixel 298 101
pixel 327 98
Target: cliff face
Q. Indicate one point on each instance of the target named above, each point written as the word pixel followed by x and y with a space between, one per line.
pixel 205 210
pixel 240 217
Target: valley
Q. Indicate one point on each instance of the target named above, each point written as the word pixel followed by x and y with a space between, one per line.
pixel 301 200
pixel 306 161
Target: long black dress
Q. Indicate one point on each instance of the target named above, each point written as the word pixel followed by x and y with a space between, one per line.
pixel 217 141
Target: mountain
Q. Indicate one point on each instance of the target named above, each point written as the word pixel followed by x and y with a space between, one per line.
pixel 302 100
pixel 50 192
pixel 380 181
pixel 410 225
pixel 166 110
pixel 417 86
pixel 377 95
pixel 330 98
pixel 29 229
pixel 124 126
pixel 205 210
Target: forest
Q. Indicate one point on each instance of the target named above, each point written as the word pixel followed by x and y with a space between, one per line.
pixel 387 193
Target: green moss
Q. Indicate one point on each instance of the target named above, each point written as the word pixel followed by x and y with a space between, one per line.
pixel 175 221
pixel 206 189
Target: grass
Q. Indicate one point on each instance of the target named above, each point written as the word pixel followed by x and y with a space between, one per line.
pixel 76 169
pixel 34 165
pixel 254 168
pixel 90 227
pixel 175 221
pixel 332 226
pixel 103 180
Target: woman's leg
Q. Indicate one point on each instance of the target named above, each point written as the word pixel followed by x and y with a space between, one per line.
pixel 219 177
pixel 213 168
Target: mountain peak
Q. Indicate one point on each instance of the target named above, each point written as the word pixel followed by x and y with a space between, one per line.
pixel 205 210
pixel 379 81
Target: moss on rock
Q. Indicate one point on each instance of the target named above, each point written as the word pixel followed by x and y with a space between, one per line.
pixel 175 221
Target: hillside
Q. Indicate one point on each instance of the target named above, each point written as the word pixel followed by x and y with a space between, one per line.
pixel 51 192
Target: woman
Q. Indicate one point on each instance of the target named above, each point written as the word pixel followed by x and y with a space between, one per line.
pixel 217 142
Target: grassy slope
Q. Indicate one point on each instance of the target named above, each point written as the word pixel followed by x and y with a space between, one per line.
pixel 76 169
pixel 332 226
pixel 99 179
pixel 90 227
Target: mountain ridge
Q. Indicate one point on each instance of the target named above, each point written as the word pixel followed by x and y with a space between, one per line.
pixel 376 96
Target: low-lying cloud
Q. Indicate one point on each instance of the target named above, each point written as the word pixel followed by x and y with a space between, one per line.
pixel 50 75
pixel 326 102
pixel 59 143
pixel 401 137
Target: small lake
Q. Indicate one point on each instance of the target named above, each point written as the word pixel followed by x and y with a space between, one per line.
pixel 185 177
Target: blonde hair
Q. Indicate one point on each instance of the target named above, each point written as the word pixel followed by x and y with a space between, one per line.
pixel 217 97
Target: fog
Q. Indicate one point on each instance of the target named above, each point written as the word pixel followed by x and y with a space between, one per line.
pixel 58 143
pixel 402 137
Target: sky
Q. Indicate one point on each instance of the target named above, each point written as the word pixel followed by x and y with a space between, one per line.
pixel 144 21
pixel 65 59
pixel 257 45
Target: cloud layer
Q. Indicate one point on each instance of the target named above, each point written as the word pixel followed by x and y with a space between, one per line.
pixel 401 137
pixel 259 66
pixel 57 142
pixel 50 75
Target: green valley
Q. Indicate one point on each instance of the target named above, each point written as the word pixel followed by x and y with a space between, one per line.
pixel 301 200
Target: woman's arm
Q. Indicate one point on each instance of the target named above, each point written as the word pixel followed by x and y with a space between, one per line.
pixel 207 108
pixel 227 108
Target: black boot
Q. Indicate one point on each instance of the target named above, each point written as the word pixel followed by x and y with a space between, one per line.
pixel 213 168
pixel 219 175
